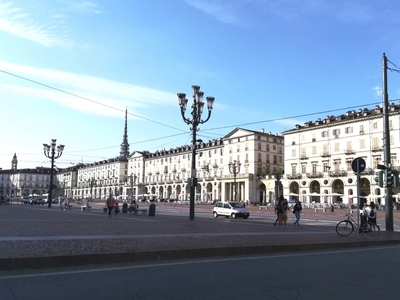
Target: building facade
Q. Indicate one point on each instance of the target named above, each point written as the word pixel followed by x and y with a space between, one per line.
pixel 319 156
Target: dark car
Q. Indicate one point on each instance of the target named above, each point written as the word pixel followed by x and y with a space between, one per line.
pixel 36 201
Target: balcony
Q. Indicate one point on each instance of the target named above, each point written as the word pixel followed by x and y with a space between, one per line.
pixel 315 175
pixel 293 176
pixel 368 171
pixel 325 154
pixel 303 156
pixel 349 151
pixel 338 173
pixel 376 148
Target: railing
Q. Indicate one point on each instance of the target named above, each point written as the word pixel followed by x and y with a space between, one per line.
pixel 293 176
pixel 337 173
pixel 315 175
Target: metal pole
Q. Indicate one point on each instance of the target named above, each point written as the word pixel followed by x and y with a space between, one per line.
pixel 358 197
pixel 49 197
pixel 386 146
pixel 193 172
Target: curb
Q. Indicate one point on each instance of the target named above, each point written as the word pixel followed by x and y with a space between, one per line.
pixel 143 256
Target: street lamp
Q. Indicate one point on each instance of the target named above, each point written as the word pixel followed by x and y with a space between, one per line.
pixel 50 152
pixel 92 183
pixel 197 110
pixel 234 168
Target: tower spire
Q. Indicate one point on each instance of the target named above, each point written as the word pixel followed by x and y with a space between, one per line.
pixel 124 151
pixel 14 162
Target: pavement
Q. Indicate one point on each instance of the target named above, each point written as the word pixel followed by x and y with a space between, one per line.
pixel 40 237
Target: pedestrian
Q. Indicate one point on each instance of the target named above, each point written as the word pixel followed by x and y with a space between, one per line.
pixel 278 208
pixel 116 209
pixel 297 208
pixel 110 204
pixel 282 207
pixel 371 213
pixel 66 202
pixel 60 202
pixel 285 207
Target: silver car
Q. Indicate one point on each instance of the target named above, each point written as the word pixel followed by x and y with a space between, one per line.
pixel 230 209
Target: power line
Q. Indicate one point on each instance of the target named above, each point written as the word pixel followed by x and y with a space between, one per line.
pixel 86 99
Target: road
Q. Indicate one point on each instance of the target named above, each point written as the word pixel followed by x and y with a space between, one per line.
pixel 345 274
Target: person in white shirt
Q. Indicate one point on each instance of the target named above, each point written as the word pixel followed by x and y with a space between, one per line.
pixel 66 202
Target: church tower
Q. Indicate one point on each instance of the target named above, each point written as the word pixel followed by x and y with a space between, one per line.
pixel 14 162
pixel 124 152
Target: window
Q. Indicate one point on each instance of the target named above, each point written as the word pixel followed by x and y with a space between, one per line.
pixel 375 125
pixel 336 147
pixel 376 143
pixel 314 150
pixel 361 129
pixel 348 130
pixel 362 143
pixel 314 168
pixel 303 168
pixel 324 134
pixel 293 152
pixel 293 169
pixel 336 131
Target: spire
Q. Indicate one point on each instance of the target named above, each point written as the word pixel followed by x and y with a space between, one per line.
pixel 125 145
pixel 14 162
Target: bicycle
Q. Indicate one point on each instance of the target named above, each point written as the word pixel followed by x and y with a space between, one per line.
pixel 368 229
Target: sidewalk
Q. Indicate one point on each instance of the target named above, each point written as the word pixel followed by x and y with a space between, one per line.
pixel 38 237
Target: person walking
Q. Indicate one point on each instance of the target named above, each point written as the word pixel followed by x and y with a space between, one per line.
pixel 61 202
pixel 282 207
pixel 297 208
pixel 371 213
pixel 285 206
pixel 116 209
pixel 278 208
pixel 110 204
pixel 66 203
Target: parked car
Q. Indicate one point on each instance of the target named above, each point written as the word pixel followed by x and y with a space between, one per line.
pixel 36 201
pixel 230 209
pixel 26 200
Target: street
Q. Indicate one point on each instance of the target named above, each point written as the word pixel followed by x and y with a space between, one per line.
pixel 343 274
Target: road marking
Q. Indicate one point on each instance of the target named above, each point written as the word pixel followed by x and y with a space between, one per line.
pixel 200 261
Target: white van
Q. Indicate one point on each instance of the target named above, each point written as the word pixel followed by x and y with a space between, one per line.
pixel 230 209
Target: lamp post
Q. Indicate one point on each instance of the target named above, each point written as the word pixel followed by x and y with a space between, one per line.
pixel 197 110
pixel 132 179
pixel 92 183
pixel 234 168
pixel 50 152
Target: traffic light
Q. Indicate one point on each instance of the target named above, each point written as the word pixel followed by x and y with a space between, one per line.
pixel 389 178
pixel 380 179
pixel 396 178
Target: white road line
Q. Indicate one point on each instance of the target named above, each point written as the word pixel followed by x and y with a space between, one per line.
pixel 200 261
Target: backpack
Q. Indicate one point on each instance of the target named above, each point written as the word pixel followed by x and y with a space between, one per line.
pixel 372 214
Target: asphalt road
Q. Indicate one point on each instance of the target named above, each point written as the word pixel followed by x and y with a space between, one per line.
pixel 343 274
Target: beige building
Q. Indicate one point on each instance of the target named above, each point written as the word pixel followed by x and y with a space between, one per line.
pixel 319 156
pixel 165 174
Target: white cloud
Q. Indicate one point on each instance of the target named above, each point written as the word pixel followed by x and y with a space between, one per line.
pixel 378 91
pixel 223 11
pixel 96 95
pixel 15 21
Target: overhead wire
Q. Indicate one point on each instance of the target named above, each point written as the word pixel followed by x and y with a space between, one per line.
pixel 183 131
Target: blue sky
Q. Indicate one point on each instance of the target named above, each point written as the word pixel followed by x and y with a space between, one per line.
pixel 69 69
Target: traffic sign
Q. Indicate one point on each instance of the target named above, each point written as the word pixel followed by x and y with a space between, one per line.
pixel 358 165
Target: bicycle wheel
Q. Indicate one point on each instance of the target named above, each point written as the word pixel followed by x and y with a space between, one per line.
pixel 344 228
pixel 371 231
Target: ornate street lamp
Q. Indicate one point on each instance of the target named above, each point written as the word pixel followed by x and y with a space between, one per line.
pixel 234 168
pixel 197 110
pixel 50 152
